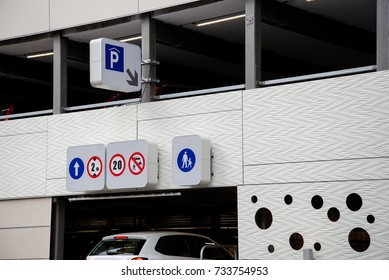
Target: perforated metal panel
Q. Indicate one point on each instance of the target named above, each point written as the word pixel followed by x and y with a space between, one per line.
pixel 327 229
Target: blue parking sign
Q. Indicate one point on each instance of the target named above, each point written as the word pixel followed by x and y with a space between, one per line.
pixel 114 58
pixel 115 65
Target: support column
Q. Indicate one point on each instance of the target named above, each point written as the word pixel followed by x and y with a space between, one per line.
pixel 149 68
pixel 382 35
pixel 58 229
pixel 253 43
pixel 59 74
pixel 308 254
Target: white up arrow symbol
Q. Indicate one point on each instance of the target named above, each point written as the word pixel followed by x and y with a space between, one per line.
pixel 76 166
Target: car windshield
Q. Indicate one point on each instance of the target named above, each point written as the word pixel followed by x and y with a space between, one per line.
pixel 118 246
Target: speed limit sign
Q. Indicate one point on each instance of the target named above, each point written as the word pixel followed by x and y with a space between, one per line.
pixel 131 164
pixel 117 165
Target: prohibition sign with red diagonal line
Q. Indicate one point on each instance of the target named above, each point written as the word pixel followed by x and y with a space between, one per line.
pixel 136 163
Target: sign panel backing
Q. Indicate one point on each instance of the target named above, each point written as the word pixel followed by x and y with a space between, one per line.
pixel 85 168
pixel 191 160
pixel 115 65
pixel 131 164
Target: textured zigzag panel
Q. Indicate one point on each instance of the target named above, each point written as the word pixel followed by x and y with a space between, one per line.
pixel 222 129
pixel 22 126
pixel 216 117
pixel 190 106
pixel 339 118
pixel 318 171
pixel 84 128
pixel 328 239
pixel 23 165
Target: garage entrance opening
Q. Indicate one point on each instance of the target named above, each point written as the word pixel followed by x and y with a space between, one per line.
pixel 212 212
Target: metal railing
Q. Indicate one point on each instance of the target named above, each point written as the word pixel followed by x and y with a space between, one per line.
pixel 28 114
pixel 102 105
pixel 275 82
pixel 318 76
pixel 199 92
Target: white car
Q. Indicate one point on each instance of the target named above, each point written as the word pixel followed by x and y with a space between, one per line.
pixel 158 245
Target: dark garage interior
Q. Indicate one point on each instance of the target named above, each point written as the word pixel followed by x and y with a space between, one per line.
pixel 208 211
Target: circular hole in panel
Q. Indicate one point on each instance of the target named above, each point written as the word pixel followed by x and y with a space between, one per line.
pixel 333 214
pixel 359 239
pixel 254 199
pixel 296 241
pixel 270 248
pixel 288 199
pixel 370 219
pixel 354 202
pixel 317 202
pixel 263 218
pixel 317 246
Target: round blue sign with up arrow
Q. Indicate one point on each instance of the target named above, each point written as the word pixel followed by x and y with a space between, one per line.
pixel 76 168
pixel 186 160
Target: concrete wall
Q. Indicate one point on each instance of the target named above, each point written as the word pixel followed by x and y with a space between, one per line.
pixel 25 229
pixel 24 17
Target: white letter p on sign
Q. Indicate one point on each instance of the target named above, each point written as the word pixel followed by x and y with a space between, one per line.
pixel 114 58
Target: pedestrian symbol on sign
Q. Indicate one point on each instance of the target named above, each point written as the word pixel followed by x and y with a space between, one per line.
pixel 136 163
pixel 186 160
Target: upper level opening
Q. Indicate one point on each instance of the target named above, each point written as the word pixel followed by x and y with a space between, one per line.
pixel 298 37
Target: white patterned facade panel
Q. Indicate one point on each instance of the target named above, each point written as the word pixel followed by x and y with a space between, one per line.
pixel 331 119
pixel 318 171
pixel 223 129
pixel 191 106
pixel 91 127
pixel 338 220
pixel 22 126
pixel 23 165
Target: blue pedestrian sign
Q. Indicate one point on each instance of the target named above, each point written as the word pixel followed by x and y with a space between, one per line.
pixel 186 160
pixel 85 169
pixel 76 168
pixel 191 161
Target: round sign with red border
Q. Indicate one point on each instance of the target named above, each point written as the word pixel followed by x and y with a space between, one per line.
pixel 117 165
pixel 94 167
pixel 136 163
